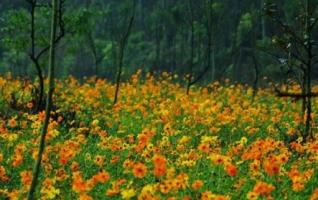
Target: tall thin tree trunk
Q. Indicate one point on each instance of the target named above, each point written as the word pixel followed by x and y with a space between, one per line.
pixel 158 52
pixel 192 48
pixel 308 130
pixel 256 70
pixel 122 46
pixel 210 41
pixel 120 66
pixel 37 166
pixel 263 22
pixel 92 46
pixel 237 67
pixel 41 83
pixel 213 65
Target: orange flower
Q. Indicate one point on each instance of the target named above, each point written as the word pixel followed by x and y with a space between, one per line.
pixel 231 170
pixel 12 123
pixel 186 198
pixel 78 185
pixel 26 177
pixel 182 181
pixel 17 159
pixel 85 197
pixel 41 116
pixel 158 159
pixel 197 184
pixel 160 166
pixel 102 177
pixel 139 170
pixel 61 174
pixel 299 179
pixel 283 158
pixel 298 186
pixel 99 160
pixel 263 188
pixel 204 148
pixel 14 195
pixel 314 196
pixel 66 153
pixel 3 177
pixel 131 139
pixel 143 140
pixel 115 189
pixel 114 159
pixel 255 166
pixel 159 171
pixel 112 192
pixel 128 164
pixel 271 168
pixel 74 166
pixel 218 159
pixel 30 105
pixel 165 187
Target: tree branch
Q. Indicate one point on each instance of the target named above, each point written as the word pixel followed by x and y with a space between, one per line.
pixel 61 27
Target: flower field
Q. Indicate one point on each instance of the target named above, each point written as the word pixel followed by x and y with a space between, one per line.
pixel 219 142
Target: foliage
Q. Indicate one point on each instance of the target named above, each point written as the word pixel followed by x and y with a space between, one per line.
pixel 160 39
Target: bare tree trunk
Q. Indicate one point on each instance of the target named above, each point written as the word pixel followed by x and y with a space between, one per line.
pixel 41 82
pixel 158 49
pixel 308 131
pixel 213 65
pixel 303 98
pixel 37 166
pixel 96 58
pixel 122 46
pixel 263 22
pixel 256 69
pixel 237 67
pixel 192 48
pixel 210 42
pixel 92 46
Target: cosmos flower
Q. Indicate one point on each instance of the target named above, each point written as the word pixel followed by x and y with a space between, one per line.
pixel 262 188
pixel 12 123
pixel 26 177
pixel 197 184
pixel 231 170
pixel 128 193
pixel 139 170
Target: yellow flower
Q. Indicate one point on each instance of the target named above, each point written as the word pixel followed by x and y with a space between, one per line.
pixel 148 189
pixel 184 139
pixel 243 140
pixel 88 156
pixel 252 196
pixel 51 192
pixel 95 122
pixel 128 194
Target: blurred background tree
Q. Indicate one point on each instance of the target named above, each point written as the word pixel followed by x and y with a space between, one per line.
pixel 229 38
